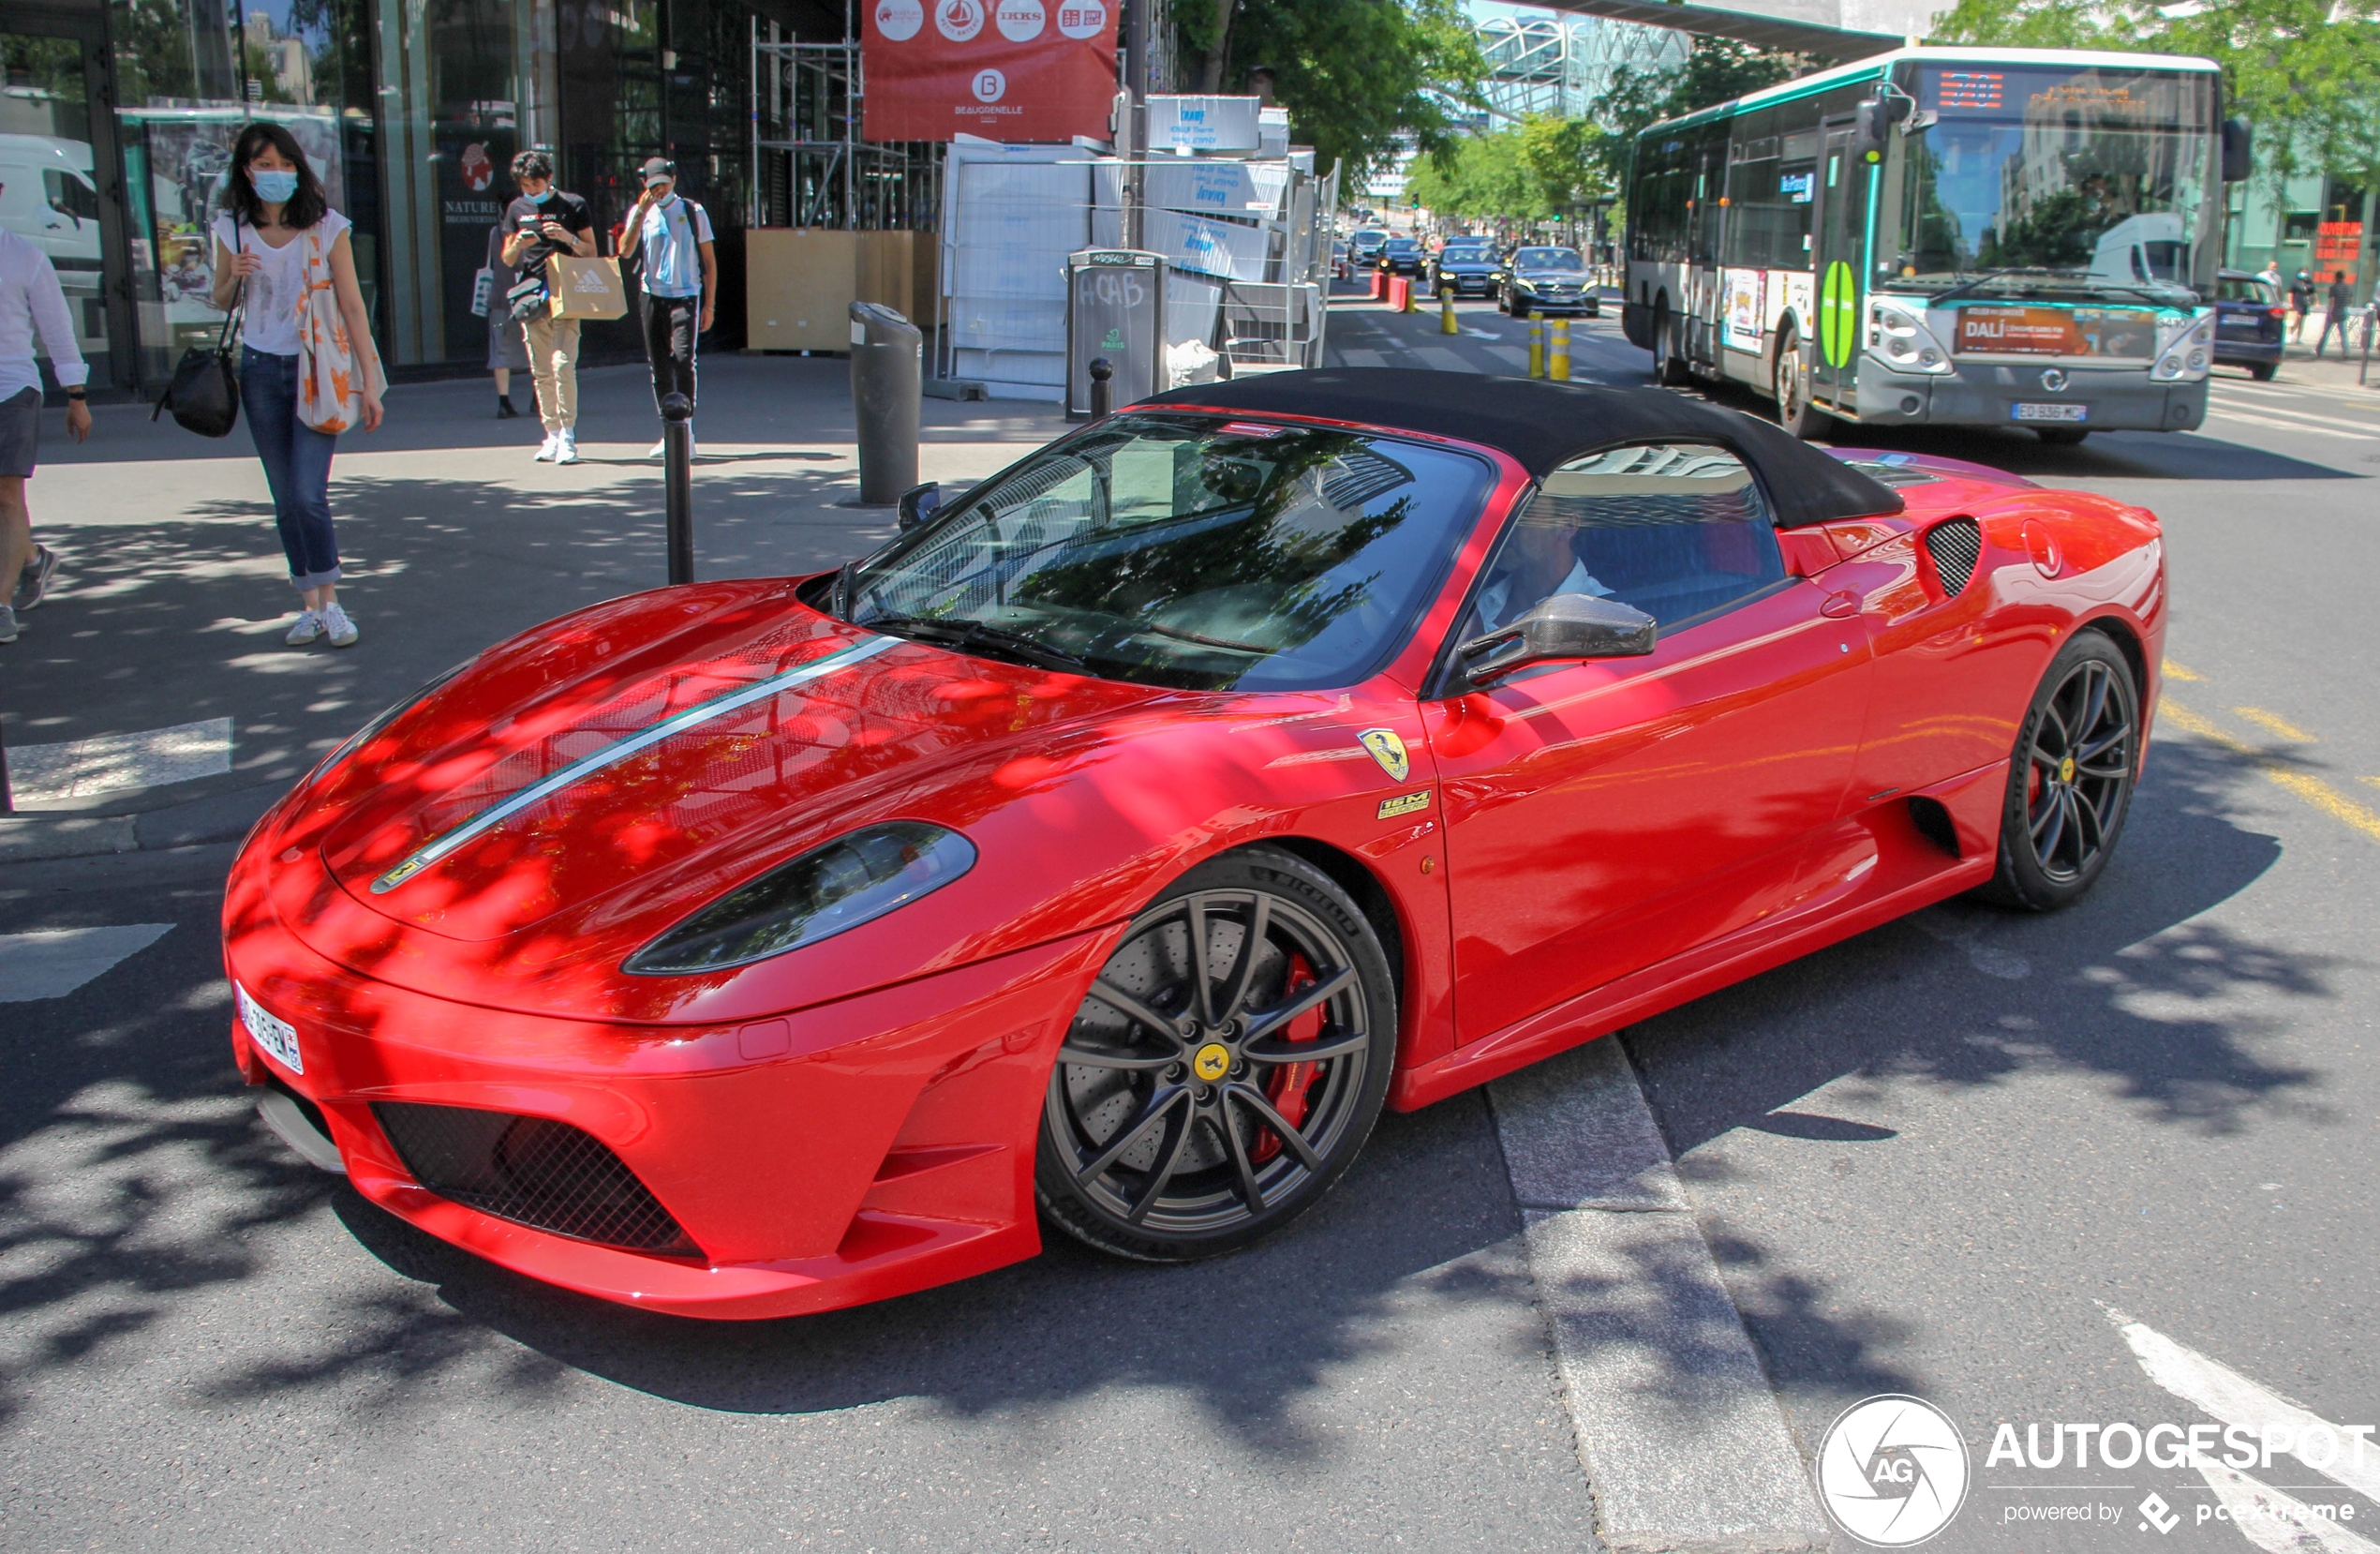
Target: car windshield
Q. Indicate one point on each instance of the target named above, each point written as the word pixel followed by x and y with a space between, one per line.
pixel 2245 288
pixel 1548 259
pixel 2037 179
pixel 1371 237
pixel 1465 251
pixel 1187 551
pixel 1402 244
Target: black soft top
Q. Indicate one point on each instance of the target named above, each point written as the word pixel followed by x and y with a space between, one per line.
pixel 1543 425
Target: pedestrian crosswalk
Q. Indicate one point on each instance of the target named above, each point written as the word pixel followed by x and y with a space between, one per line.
pixel 2310 410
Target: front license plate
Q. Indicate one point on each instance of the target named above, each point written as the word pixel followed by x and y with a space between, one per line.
pixel 275 1036
pixel 2052 412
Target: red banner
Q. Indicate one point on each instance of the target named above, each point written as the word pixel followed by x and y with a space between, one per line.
pixel 1005 70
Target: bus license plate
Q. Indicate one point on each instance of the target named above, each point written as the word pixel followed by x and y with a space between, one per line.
pixel 2052 412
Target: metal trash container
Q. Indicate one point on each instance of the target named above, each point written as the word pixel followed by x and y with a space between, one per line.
pixel 887 357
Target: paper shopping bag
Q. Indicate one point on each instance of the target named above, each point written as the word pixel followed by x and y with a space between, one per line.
pixel 585 288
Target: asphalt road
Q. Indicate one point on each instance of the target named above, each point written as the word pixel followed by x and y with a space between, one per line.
pixel 1930 1161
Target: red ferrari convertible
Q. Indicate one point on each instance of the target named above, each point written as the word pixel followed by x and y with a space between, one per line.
pixel 1109 849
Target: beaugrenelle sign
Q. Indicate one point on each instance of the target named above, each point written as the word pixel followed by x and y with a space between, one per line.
pixel 1005 70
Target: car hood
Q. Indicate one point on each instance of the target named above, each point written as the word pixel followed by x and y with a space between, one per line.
pixel 606 769
pixel 1575 276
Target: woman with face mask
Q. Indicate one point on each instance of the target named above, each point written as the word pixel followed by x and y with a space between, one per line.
pixel 272 204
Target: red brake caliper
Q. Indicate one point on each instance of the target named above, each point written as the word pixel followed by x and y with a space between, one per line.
pixel 1290 1082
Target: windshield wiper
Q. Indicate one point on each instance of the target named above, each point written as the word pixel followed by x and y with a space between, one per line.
pixel 990 640
pixel 1965 286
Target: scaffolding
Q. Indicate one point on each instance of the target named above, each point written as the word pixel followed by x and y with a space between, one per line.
pixel 809 165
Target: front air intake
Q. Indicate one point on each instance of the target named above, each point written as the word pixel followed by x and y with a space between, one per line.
pixel 1955 548
pixel 534 1170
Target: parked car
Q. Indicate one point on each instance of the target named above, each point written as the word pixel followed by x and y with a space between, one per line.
pixel 1549 282
pixel 1468 267
pixel 2248 319
pixel 1403 256
pixel 1101 855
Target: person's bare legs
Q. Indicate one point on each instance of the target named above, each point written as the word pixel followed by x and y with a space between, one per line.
pixel 503 382
pixel 319 598
pixel 16 534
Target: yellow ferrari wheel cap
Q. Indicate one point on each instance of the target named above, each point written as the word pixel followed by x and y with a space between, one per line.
pixel 1213 1062
pixel 2066 769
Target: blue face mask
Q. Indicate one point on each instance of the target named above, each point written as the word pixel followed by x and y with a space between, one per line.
pixel 272 186
pixel 540 198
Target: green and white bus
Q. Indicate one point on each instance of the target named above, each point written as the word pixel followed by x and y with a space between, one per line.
pixel 1959 237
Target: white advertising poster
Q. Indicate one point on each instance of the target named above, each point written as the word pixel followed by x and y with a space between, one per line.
pixel 1202 123
pixel 1208 248
pixel 1746 302
pixel 1792 288
pixel 1219 188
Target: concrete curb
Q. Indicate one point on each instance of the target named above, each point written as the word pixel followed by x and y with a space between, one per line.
pixel 200 822
pixel 1685 1447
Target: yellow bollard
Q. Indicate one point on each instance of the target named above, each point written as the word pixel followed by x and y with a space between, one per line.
pixel 1411 287
pixel 1445 315
pixel 1537 345
pixel 1557 361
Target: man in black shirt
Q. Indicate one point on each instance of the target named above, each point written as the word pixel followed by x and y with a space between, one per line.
pixel 543 222
pixel 2341 301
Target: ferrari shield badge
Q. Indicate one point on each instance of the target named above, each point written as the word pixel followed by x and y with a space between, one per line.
pixel 1213 1062
pixel 1389 751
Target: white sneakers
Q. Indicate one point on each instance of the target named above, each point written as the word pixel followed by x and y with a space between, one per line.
pixel 330 621
pixel 566 446
pixel 551 446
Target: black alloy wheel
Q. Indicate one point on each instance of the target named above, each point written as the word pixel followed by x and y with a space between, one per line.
pixel 2071 784
pixel 1227 1064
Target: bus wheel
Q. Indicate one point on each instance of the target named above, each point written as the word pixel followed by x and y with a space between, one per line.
pixel 1669 367
pixel 2062 437
pixel 1794 412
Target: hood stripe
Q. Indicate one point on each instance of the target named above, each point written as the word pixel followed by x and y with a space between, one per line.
pixel 620 750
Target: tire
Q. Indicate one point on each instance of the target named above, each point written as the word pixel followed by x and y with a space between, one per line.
pixel 2063 437
pixel 2070 783
pixel 2262 371
pixel 1669 371
pixel 1145 1151
pixel 1790 383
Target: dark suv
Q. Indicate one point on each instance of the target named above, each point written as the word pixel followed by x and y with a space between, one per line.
pixel 2248 315
pixel 1402 257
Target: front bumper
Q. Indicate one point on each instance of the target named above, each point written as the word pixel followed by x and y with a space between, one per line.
pixel 2247 352
pixel 1979 394
pixel 847 1153
pixel 1529 302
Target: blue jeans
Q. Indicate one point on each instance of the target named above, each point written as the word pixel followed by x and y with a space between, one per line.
pixel 297 465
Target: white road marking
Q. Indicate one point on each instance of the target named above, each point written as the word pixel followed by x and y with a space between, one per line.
pixel 119 763
pixel 2219 1390
pixel 2277 424
pixel 1684 1444
pixel 1443 358
pixel 51 963
pixel 1352 357
pixel 2227 406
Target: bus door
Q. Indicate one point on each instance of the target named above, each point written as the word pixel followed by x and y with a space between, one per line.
pixel 1841 262
pixel 1704 304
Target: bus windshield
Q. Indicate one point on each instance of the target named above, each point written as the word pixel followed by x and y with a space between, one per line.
pixel 2033 179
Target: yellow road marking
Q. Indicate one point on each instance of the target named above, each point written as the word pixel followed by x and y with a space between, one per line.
pixel 2175 671
pixel 2273 723
pixel 2373 781
pixel 2314 790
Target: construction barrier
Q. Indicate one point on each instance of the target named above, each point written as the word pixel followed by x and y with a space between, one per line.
pixel 1401 293
pixel 1379 280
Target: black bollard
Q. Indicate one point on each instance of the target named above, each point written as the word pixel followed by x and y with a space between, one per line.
pixel 677 479
pixel 1102 395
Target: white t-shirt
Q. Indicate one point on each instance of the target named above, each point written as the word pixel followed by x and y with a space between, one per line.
pixel 275 292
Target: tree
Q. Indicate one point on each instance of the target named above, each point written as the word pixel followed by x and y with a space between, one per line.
pixel 1719 68
pixel 2305 72
pixel 1547 166
pixel 1355 75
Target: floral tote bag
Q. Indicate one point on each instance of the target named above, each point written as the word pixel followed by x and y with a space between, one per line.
pixel 330 384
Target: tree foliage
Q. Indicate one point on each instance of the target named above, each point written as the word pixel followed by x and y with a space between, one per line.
pixel 1354 74
pixel 2306 73
pixel 1546 166
pixel 1717 69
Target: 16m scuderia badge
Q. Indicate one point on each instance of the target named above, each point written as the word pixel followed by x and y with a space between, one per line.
pixel 1389 751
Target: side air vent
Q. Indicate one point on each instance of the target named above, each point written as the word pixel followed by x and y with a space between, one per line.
pixel 1956 546
pixel 531 1169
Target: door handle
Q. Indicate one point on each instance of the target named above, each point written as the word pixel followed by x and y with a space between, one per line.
pixel 1840 606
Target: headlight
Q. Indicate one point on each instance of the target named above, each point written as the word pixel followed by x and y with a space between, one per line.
pixel 1903 336
pixel 849 881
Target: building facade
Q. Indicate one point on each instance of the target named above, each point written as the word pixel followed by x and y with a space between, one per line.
pixel 2322 226
pixel 117 118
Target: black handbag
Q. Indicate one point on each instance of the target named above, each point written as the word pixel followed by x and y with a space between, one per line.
pixel 204 395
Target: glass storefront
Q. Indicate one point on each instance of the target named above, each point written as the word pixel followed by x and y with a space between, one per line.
pixel 410 109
